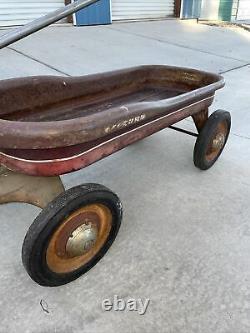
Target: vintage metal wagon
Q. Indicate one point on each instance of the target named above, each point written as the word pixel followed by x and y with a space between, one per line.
pixel 50 126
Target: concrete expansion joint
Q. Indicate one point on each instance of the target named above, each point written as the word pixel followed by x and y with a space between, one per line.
pixel 38 61
pixel 235 68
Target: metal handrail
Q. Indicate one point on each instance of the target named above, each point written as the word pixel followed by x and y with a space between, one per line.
pixel 42 22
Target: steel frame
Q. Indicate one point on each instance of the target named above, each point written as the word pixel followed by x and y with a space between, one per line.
pixel 38 191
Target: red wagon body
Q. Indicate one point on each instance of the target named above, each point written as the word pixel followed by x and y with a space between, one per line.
pixel 55 125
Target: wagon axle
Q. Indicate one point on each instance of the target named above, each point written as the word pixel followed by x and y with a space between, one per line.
pixel 182 130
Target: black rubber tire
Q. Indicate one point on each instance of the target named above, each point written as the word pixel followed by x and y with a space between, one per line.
pixel 206 136
pixel 39 234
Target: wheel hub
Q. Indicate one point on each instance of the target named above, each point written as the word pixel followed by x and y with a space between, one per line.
pixel 219 141
pixel 81 240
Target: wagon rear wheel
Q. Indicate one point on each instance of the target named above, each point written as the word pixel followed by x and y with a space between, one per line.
pixel 212 139
pixel 71 234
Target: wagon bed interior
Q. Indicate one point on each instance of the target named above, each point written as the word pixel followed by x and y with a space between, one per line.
pixel 80 107
pixel 56 98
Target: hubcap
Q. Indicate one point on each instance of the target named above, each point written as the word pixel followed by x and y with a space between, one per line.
pixel 81 240
pixel 218 141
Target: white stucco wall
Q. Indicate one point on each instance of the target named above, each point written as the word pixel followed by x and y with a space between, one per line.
pixel 243 10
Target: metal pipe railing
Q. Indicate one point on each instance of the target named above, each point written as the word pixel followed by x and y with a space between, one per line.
pixel 42 22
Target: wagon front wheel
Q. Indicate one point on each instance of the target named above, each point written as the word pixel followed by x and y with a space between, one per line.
pixel 71 234
pixel 212 139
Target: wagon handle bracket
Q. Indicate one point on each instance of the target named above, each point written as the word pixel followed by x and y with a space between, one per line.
pixel 38 191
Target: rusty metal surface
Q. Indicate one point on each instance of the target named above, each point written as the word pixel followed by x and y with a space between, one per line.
pixel 55 125
pixel 200 119
pixel 77 157
pixel 50 112
pixel 38 191
pixel 70 247
pixel 217 142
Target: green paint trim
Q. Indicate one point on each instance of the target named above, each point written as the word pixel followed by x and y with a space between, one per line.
pixel 225 10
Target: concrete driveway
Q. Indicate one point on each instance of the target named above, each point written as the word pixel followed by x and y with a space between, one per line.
pixel 185 238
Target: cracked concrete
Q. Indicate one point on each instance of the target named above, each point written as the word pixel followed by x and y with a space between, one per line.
pixel 185 237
